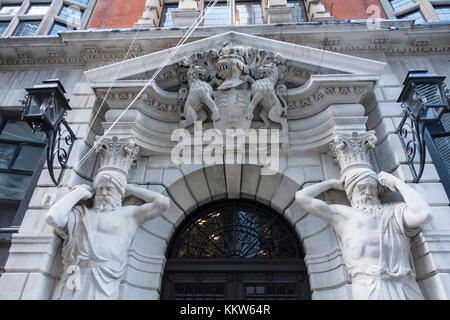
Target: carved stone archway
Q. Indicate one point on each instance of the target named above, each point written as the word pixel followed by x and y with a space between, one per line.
pixel 147 255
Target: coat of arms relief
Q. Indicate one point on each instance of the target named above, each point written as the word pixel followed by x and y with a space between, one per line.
pixel 232 86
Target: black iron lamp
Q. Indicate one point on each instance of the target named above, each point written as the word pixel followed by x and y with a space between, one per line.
pixel 424 100
pixel 45 106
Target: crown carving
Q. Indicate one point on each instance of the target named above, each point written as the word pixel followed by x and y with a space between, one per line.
pixel 232 52
pixel 117 154
pixel 352 149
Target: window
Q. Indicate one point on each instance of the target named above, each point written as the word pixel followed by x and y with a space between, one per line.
pixel 421 11
pixel 299 11
pixel 399 4
pixel 72 13
pixel 38 9
pixel 8 10
pixel 57 27
pixel 415 15
pixel 26 28
pixel 236 230
pixel 3 26
pixel 21 153
pixel 248 13
pixel 219 15
pixel 166 19
pixel 55 16
pixel 235 249
pixel 443 12
pixel 82 2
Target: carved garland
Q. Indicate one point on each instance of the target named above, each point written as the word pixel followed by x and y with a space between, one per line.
pixel 323 92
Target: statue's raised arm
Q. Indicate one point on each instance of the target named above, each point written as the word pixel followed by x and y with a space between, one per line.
pixel 155 203
pixel 417 211
pixel 307 199
pixel 57 215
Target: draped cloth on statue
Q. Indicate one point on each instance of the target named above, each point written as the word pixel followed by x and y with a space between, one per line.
pixel 394 276
pixel 100 274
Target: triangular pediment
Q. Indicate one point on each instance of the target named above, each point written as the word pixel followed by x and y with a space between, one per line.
pixel 305 80
pixel 317 60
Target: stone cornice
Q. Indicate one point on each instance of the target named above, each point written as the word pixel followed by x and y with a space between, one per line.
pixel 82 47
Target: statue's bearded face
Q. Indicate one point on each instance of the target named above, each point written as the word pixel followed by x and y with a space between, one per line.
pixel 107 197
pixel 366 193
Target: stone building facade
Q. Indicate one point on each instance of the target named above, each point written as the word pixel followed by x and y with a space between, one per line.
pixel 340 77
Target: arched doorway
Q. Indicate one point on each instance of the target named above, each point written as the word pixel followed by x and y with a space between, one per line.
pixel 235 249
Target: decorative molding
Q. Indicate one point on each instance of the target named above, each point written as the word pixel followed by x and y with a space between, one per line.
pixel 324 92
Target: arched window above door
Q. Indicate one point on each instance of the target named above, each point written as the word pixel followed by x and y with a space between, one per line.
pixel 235 229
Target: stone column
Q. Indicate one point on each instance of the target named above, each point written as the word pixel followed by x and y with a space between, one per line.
pixel 187 13
pixel 316 11
pixel 151 15
pixel 277 11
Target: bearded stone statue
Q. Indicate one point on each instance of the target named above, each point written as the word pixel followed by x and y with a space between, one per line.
pixel 374 236
pixel 97 238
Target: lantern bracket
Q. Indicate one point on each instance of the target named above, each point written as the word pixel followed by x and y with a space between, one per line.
pixel 416 115
pixel 48 117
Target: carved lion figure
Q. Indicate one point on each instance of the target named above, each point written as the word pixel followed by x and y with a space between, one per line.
pixel 200 93
pixel 264 93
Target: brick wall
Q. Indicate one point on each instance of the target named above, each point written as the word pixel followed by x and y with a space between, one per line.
pixel 351 9
pixel 124 14
pixel 116 14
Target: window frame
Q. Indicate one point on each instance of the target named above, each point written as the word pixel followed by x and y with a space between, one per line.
pixel 22 204
pixel 426 7
pixel 174 4
pixel 48 19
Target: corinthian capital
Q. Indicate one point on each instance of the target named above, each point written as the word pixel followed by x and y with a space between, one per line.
pixel 351 150
pixel 117 154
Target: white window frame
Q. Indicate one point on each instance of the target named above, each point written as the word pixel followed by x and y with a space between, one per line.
pixel 48 19
pixel 426 7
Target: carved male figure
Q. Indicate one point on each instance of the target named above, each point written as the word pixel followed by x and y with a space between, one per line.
pixel 96 240
pixel 373 235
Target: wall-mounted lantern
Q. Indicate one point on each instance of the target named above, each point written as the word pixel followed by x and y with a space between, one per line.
pixel 424 100
pixel 45 106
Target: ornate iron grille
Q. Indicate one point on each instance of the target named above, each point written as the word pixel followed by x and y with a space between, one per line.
pixel 236 229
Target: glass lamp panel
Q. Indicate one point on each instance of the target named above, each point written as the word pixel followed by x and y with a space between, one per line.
pixel 431 94
pixel 54 110
pixel 38 104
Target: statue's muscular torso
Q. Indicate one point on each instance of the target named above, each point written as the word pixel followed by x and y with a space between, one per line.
pixel 360 236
